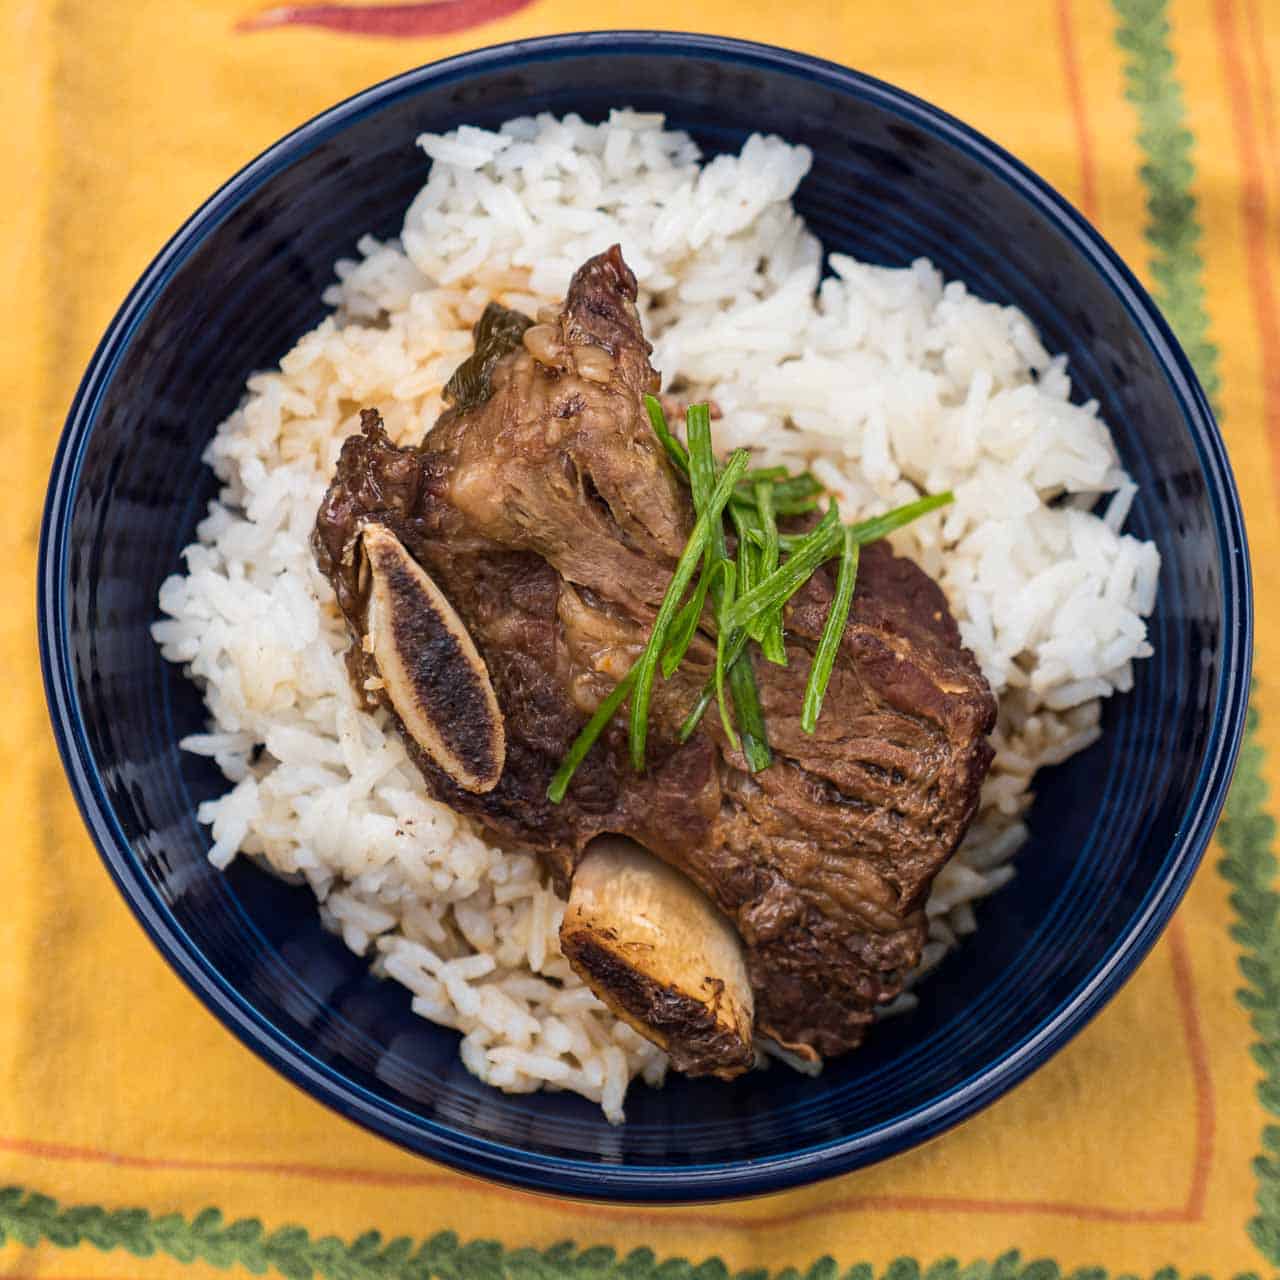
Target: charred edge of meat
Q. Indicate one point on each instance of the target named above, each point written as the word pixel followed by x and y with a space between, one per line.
pixel 498 332
pixel 432 674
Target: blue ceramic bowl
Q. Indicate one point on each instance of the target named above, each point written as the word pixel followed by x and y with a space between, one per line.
pixel 1117 832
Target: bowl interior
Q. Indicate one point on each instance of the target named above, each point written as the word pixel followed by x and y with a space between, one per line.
pixel 887 185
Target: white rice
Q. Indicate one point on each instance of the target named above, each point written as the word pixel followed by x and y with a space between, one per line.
pixel 885 382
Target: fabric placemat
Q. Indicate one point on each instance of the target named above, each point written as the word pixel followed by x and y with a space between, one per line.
pixel 139 1138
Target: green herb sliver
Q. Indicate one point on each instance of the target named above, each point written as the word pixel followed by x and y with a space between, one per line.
pixel 767 631
pixel 587 738
pixel 745 522
pixel 748 597
pixel 820 544
pixel 760 475
pixel 647 664
pixel 741 676
pixel 734 649
pixel 816 547
pixel 878 527
pixel 746 703
pixel 796 494
pixel 729 573
pixel 678 454
pixel 815 689
pixel 685 627
pixel 863 532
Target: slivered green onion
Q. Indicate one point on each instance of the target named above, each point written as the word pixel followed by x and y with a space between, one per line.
pixel 767 631
pixel 748 597
pixel 658 421
pixel 735 645
pixel 802 486
pixel 708 523
pixel 796 490
pixel 797 493
pixel 685 627
pixel 815 689
pixel 881 526
pixel 638 682
pixel 702 475
pixel 746 702
pixel 744 520
pixel 718 567
pixel 815 548
pixel 790 491
pixel 742 677
pixel 864 531
pixel 587 738
pixel 729 573
pixel 760 475
pixel 609 707
pixel 796 506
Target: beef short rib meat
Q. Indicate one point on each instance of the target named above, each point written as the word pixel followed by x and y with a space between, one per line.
pixel 541 507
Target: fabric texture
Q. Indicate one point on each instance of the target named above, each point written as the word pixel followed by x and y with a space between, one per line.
pixel 138 1138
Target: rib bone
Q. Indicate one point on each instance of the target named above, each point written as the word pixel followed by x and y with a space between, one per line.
pixel 655 949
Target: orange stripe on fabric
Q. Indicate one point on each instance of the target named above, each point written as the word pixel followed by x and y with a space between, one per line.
pixel 1255 217
pixel 847 1204
pixel 1079 115
pixel 1257 43
pixel 1198 1054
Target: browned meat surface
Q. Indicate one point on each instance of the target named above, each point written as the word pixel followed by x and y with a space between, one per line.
pixel 546 512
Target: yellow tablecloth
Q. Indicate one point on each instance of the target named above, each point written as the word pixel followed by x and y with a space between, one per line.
pixel 126 1104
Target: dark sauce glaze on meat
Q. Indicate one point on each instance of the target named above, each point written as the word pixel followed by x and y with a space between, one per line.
pixel 546 511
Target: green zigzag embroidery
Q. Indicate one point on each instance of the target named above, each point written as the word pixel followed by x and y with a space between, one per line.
pixel 1246 832
pixel 294 1253
pixel 1173 228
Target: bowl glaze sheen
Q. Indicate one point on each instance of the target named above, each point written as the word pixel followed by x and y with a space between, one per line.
pixel 1117 832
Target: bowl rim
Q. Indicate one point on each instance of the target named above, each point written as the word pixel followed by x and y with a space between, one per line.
pixel 582 1178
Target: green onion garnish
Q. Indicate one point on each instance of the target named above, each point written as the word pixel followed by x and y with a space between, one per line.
pixel 767 630
pixel 746 703
pixel 863 532
pixel 702 475
pixel 824 657
pixel 760 475
pixel 812 550
pixel 797 494
pixel 709 520
pixel 744 521
pixel 658 420
pixel 684 628
pixel 802 486
pixel 878 527
pixel 587 738
pixel 729 573
pixel 747 596
pixel 742 678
